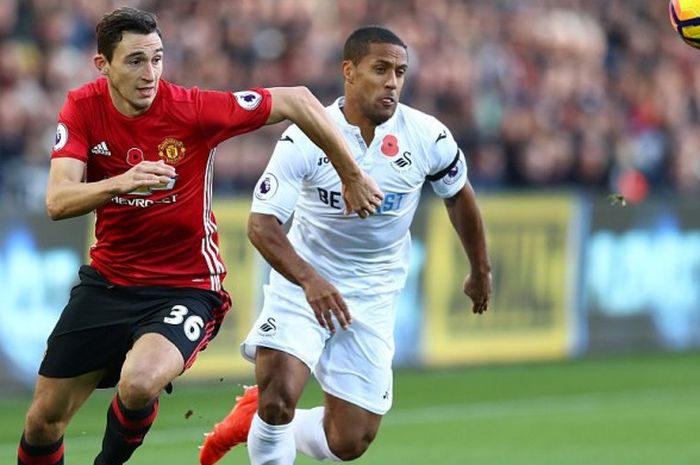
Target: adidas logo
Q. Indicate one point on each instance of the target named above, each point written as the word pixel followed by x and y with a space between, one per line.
pixel 101 149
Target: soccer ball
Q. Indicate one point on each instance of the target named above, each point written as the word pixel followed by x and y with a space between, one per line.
pixel 685 18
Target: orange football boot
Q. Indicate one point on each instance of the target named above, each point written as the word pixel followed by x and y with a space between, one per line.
pixel 232 430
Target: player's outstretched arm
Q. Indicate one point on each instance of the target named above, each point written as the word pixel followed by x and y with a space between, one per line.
pixel 266 234
pixel 299 105
pixel 68 196
pixel 466 219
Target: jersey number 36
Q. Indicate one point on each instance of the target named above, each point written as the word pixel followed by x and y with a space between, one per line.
pixel 193 324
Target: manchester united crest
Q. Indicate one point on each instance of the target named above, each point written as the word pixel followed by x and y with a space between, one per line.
pixel 171 150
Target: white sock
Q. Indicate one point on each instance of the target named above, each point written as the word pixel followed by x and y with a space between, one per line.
pixel 270 444
pixel 310 436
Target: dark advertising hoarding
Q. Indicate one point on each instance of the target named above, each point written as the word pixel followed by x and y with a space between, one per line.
pixel 39 261
pixel 641 275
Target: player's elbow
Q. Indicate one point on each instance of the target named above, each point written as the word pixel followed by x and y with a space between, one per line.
pixel 299 99
pixel 54 208
pixel 302 95
pixel 263 229
pixel 256 229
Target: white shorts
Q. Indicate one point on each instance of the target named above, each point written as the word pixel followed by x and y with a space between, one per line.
pixel 353 364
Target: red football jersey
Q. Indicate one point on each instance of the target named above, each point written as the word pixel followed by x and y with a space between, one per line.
pixel 165 236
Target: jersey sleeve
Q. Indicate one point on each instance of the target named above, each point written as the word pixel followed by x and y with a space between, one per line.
pixel 448 167
pixel 223 115
pixel 71 134
pixel 278 189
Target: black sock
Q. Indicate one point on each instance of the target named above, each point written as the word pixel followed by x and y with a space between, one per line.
pixel 40 455
pixel 125 431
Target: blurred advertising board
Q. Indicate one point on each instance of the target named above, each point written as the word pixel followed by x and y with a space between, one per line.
pixel 641 278
pixel 534 251
pixel 39 261
pixel 569 276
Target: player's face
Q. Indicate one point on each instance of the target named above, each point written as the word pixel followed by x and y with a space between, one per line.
pixel 134 72
pixel 377 81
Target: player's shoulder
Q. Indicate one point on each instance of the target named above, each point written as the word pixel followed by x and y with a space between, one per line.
pixel 177 93
pixel 419 123
pixel 179 103
pixel 89 91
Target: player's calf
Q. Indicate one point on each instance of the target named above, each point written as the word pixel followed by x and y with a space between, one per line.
pixel 125 431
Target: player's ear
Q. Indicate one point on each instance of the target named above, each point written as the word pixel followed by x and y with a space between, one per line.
pixel 348 71
pixel 101 64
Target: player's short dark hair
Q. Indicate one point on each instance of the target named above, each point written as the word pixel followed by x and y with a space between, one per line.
pixel 112 26
pixel 357 44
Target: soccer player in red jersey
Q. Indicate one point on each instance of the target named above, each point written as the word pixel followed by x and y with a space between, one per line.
pixel 139 151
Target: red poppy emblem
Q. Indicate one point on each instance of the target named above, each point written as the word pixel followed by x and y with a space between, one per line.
pixel 390 146
pixel 134 156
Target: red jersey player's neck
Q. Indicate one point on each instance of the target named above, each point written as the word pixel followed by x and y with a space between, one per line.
pixel 124 106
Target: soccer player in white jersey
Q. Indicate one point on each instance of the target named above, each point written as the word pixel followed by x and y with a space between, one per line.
pixel 334 270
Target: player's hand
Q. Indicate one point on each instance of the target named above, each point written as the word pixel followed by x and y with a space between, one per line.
pixel 326 301
pixel 362 196
pixel 146 174
pixel 478 287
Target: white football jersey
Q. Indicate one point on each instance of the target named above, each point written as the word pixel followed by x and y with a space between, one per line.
pixel 359 256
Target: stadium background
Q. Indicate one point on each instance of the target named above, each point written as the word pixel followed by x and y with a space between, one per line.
pixel 589 352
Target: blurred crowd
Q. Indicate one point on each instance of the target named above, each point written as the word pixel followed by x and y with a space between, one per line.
pixel 582 94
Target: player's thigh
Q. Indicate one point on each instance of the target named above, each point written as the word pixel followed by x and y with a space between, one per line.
pixel 56 400
pixel 280 376
pixel 152 362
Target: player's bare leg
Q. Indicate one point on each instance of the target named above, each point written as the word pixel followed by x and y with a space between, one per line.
pixel 150 365
pixel 349 429
pixel 55 402
pixel 281 379
pixel 339 431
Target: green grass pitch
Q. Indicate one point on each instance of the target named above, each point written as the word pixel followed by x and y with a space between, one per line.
pixel 615 411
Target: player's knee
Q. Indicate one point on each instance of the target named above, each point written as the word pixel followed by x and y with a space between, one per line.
pixel 40 428
pixel 138 391
pixel 351 447
pixel 276 408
